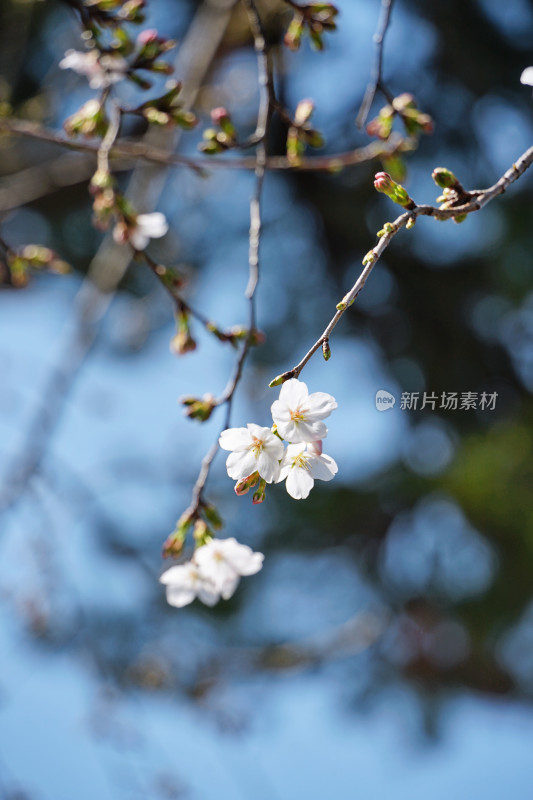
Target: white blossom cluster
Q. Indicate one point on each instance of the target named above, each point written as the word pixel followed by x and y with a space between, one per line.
pixel 216 568
pixel 214 572
pixel 100 70
pixel 298 417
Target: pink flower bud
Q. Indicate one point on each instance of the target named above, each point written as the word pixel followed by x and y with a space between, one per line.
pixel 147 36
pixel 219 114
pixel 383 182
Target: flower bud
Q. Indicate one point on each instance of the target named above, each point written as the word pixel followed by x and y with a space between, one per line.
pixel 201 533
pixel 444 178
pixel 260 494
pixel 326 350
pixel 384 183
pixel 303 112
pixel 245 484
pixel 199 409
pixel 212 516
pixel 174 543
pixel 370 258
pixel 293 37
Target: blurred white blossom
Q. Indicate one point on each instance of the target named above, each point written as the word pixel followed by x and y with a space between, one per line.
pixel 148 226
pixel 100 71
pixel 527 76
pixel 214 572
pixel 185 582
pixel 224 561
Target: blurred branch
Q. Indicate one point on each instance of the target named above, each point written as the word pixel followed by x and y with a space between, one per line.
pixel 379 39
pixel 140 150
pixel 108 266
pixel 478 199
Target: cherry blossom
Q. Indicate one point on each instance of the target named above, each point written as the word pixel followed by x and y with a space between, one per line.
pixel 100 71
pixel 185 582
pixel 527 76
pixel 147 226
pixel 298 415
pixel 224 561
pixel 254 449
pixel 303 464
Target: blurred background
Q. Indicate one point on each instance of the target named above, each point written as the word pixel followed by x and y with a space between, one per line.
pixel 386 648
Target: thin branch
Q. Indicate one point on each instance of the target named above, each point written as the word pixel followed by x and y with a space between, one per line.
pixel 132 150
pixel 266 102
pixel 479 199
pixel 379 39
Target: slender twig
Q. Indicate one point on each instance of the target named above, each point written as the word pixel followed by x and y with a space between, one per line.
pixel 132 150
pixel 379 38
pixel 266 102
pixel 479 199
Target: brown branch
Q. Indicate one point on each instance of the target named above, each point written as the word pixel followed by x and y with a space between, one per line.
pixel 132 150
pixel 480 198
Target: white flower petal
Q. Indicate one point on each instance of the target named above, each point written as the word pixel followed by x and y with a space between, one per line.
pixel 241 464
pixel 280 412
pixel 268 466
pixel 319 405
pixel 311 431
pixel 208 594
pixel 137 239
pixel 299 483
pixel 152 225
pixel 323 468
pixel 288 430
pixel 235 439
pixel 241 557
pixel 527 76
pixel 258 432
pixel 179 596
pixel 229 586
pixel 293 393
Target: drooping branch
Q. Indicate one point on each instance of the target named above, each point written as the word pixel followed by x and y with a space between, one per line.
pixel 266 102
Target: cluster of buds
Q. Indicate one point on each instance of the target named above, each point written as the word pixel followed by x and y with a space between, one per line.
pixel 106 61
pixel 182 342
pixel 106 13
pixel 148 48
pixel 167 111
pixel 415 122
pixel 453 193
pixel 198 408
pixel 32 256
pixel 301 133
pixel 203 522
pixel 316 19
pixel 89 120
pixel 244 485
pixel 223 136
pixel 384 183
